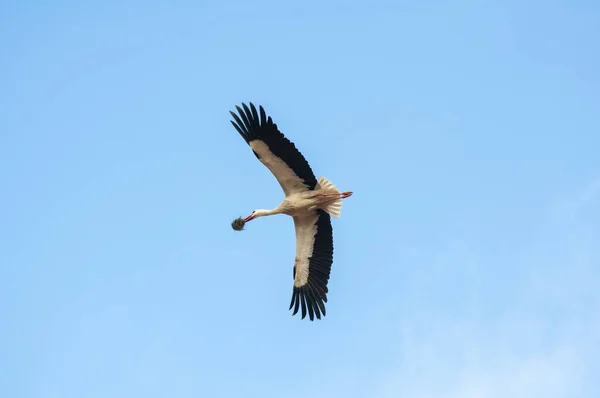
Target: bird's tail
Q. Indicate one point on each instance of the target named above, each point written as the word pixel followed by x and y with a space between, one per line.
pixel 334 208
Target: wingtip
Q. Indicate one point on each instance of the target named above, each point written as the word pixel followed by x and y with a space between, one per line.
pixel 246 108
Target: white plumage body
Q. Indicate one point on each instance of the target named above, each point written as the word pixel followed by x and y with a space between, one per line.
pixel 300 203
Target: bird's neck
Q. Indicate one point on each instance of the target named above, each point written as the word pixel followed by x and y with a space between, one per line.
pixel 265 212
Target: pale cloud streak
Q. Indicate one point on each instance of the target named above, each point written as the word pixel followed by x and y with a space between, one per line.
pixel 544 343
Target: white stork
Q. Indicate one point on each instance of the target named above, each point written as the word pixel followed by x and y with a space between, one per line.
pixel 309 201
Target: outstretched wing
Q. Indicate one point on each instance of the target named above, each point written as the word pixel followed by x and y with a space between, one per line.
pixel 312 266
pixel 274 150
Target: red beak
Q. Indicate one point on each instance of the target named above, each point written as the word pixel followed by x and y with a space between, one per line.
pixel 250 217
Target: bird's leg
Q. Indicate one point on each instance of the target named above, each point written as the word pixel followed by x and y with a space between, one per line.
pixel 336 196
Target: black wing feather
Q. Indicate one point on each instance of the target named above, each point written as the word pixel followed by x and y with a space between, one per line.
pixel 251 127
pixel 313 294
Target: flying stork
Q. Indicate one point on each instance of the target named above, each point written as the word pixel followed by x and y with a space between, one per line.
pixel 309 201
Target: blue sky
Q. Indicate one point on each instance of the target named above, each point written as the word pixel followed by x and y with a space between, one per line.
pixel 466 263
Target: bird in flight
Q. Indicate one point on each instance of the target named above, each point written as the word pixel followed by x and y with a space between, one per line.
pixel 310 202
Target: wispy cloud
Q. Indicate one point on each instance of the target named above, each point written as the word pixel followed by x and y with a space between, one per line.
pixel 543 342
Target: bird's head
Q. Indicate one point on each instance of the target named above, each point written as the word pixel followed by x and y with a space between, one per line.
pixel 255 214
